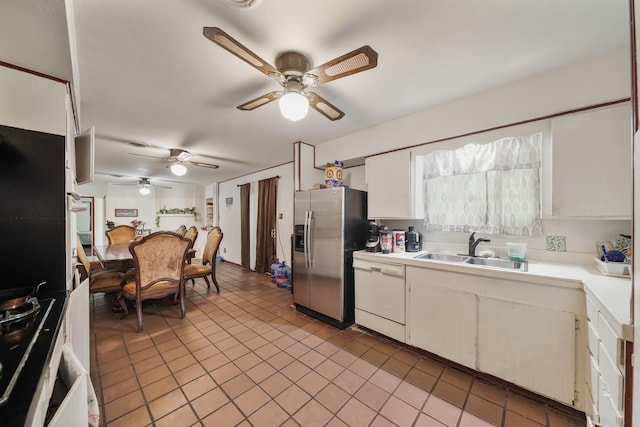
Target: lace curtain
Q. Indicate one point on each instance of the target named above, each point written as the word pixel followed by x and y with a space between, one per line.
pixel 493 188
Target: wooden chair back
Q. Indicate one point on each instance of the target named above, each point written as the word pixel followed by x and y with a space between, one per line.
pixel 121 234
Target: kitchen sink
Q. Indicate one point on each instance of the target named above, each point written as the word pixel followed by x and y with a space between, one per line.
pixel 479 261
pixel 442 257
pixel 497 262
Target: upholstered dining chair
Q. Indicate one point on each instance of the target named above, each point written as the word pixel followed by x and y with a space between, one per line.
pixel 158 271
pixel 208 266
pixel 192 235
pixel 100 279
pixel 181 230
pixel 121 234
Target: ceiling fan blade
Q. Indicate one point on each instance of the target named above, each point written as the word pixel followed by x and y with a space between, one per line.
pixel 259 101
pixel 353 62
pixel 146 155
pixel 204 165
pixel 324 107
pixel 227 42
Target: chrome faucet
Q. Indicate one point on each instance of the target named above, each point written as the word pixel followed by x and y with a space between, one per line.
pixel 474 243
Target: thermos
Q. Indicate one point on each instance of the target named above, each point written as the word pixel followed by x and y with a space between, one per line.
pixel 413 240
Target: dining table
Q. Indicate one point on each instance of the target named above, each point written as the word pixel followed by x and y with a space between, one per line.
pixel 117 255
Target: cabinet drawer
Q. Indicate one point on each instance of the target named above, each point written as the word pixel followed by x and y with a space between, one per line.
pixel 593 382
pixel 609 414
pixel 610 340
pixel 592 312
pixel 611 378
pixel 594 340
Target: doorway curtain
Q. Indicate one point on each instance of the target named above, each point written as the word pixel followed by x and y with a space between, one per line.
pixel 245 233
pixel 265 238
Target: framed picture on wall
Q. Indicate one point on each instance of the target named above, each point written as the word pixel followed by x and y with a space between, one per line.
pixel 127 212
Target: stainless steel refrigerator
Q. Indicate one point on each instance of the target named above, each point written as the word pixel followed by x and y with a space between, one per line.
pixel 330 224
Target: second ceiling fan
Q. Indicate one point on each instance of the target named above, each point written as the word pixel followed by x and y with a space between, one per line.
pixel 294 73
pixel 178 159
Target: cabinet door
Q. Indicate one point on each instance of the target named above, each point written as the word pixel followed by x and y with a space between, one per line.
pixel 592 164
pixel 443 321
pixel 389 185
pixel 531 346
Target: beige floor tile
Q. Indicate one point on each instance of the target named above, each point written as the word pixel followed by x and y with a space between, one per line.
pixel 513 419
pixel 452 394
pixel 159 388
pixel 411 394
pixel 312 414
pixel 485 410
pixel 425 420
pixel 401 413
pixel 527 408
pixel 348 381
pixel 252 400
pixel 442 411
pixel 209 402
pixel 138 417
pixel 469 420
pixel 356 413
pixel 167 403
pixel 275 384
pixel 237 385
pixel 189 374
pixel 227 416
pixel 182 416
pixel 198 387
pixel 457 378
pixel 269 415
pixel 332 397
pixel 224 373
pixel 489 392
pixel 312 383
pixel 260 372
pixel 292 399
pixel 123 405
pixel 119 389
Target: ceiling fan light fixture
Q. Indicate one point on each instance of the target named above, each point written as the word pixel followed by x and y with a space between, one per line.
pixel 178 169
pixel 293 105
pixel 144 190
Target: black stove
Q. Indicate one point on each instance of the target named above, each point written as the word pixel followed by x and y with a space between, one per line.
pixel 19 331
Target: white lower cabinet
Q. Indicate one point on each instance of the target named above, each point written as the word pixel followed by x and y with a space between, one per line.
pixel 516 330
pixel 442 321
pixel 528 345
pixel 605 380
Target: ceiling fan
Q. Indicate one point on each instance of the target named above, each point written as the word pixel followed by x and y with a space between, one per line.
pixel 294 73
pixel 178 159
pixel 144 186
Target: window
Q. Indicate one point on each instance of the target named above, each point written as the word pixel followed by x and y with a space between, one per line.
pixel 493 188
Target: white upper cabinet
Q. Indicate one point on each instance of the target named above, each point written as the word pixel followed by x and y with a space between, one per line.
pixel 591 163
pixel 391 186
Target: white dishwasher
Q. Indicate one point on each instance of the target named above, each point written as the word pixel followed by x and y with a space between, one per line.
pixel 380 297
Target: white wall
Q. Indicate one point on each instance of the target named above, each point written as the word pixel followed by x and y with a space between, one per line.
pixel 599 79
pixel 229 216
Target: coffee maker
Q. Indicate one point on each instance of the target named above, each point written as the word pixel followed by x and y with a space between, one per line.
pixel 373 241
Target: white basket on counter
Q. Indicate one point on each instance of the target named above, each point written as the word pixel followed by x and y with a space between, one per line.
pixel 618 269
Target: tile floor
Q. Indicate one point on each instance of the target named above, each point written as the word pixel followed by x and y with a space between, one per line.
pixel 245 357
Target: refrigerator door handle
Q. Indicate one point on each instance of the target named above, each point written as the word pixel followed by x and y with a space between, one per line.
pixel 308 243
pixel 306 239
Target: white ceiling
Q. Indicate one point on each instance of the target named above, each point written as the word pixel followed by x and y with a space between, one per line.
pixel 147 74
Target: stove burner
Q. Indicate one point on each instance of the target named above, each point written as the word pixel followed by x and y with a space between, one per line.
pixel 27 310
